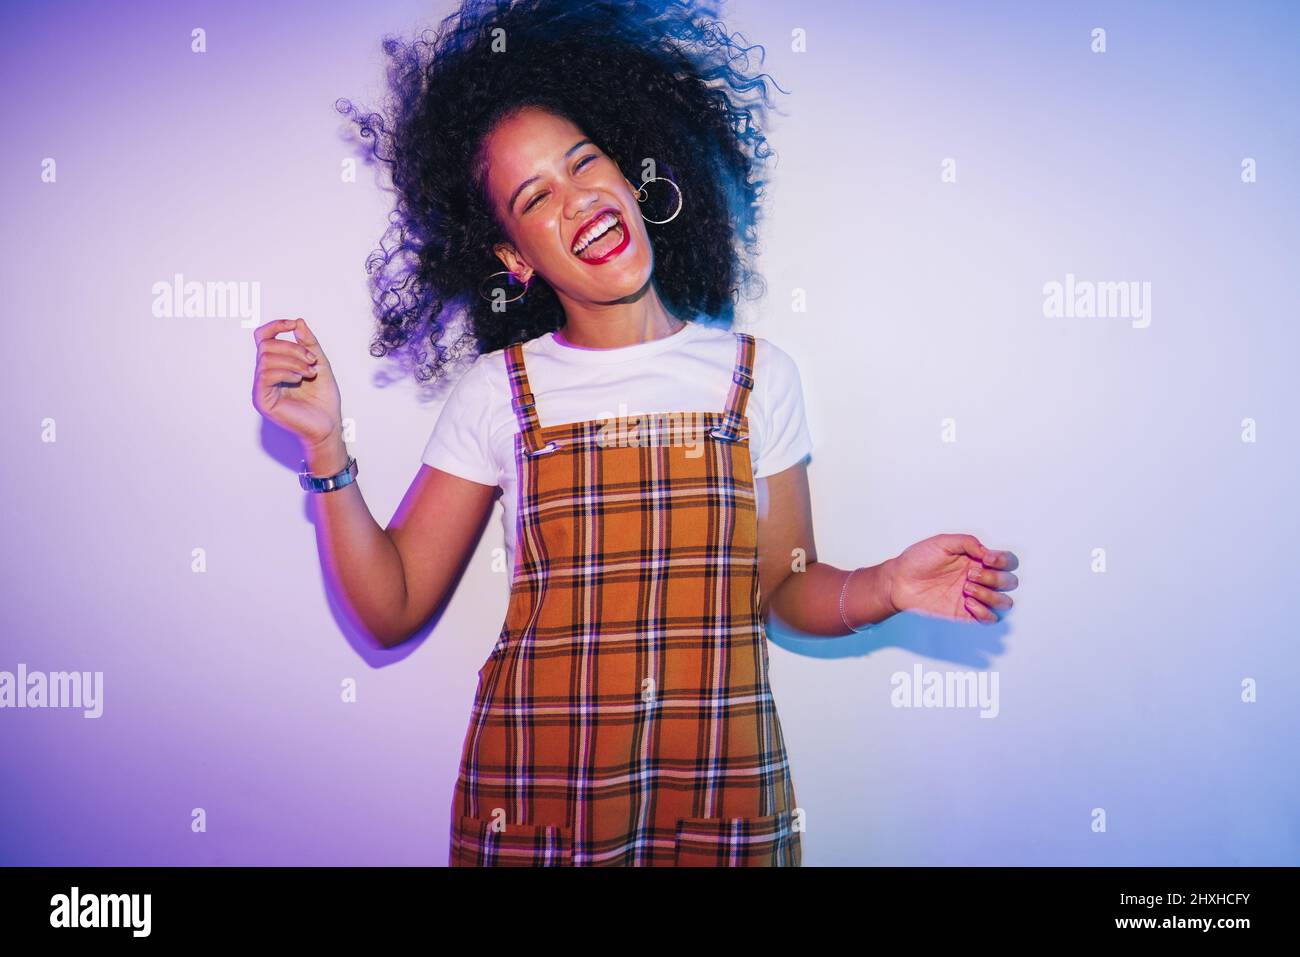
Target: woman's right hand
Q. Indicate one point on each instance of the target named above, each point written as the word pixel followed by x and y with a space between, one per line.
pixel 293 384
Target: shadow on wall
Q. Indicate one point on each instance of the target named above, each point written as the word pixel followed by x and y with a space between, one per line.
pixel 971 644
pixel 284 449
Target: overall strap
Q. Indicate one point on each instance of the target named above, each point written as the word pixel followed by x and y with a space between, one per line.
pixel 742 380
pixel 521 398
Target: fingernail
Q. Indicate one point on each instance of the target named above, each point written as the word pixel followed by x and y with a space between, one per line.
pixel 311 355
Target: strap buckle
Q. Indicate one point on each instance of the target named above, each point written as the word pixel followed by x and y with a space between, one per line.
pixel 743 380
pixel 551 446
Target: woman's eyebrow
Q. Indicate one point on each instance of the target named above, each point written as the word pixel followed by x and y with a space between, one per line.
pixel 532 179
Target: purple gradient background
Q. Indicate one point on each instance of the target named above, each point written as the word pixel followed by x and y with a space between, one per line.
pixel 1120 691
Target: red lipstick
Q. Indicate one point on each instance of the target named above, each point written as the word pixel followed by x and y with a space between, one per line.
pixel 622 243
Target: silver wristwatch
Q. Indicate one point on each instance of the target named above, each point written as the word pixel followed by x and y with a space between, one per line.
pixel 329 483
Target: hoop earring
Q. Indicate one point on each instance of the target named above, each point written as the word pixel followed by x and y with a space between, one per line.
pixel 504 272
pixel 641 195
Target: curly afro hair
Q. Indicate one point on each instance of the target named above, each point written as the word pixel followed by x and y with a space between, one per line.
pixel 675 91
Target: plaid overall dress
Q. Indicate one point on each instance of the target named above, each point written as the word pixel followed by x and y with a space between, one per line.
pixel 624 717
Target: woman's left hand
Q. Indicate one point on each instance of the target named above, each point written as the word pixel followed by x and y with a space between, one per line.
pixel 953 576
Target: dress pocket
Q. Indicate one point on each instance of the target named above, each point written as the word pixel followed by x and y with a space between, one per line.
pixel 766 841
pixel 477 843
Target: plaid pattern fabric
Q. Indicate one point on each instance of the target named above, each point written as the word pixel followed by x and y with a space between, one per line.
pixel 624 717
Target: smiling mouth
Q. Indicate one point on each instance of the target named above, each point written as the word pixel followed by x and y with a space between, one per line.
pixel 599 235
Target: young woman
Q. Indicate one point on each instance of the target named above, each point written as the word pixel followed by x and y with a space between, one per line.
pixel 652 460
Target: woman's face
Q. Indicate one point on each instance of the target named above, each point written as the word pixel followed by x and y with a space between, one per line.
pixel 554 191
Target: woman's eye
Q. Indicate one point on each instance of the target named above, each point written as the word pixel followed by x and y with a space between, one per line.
pixel 582 163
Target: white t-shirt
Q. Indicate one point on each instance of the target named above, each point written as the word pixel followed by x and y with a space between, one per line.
pixel 687 371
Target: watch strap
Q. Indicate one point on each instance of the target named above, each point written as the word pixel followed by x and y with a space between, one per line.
pixel 328 483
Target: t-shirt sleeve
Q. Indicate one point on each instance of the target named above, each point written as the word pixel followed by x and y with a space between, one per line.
pixel 786 439
pixel 459 443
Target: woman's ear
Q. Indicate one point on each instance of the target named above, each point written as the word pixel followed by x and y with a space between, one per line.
pixel 512 261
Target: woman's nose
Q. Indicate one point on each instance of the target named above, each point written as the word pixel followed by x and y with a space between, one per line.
pixel 583 203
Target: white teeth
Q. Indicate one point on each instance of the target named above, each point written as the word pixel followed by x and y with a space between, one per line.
pixel 595 231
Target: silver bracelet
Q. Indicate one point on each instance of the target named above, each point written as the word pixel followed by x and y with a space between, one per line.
pixel 843 591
